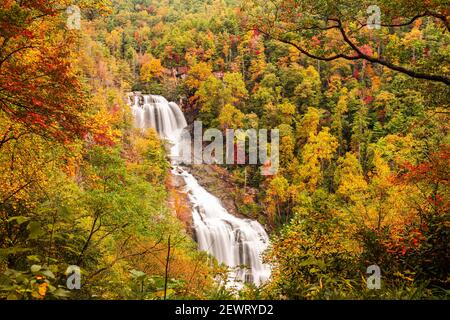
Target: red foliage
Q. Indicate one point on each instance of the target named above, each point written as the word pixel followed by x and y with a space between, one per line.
pixel 401 240
pixel 315 41
pixel 103 140
pixel 43 93
pixel 368 99
pixel 435 170
pixel 366 49
pixel 428 176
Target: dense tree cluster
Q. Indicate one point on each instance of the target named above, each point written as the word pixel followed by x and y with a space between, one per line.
pixel 78 185
pixel 364 146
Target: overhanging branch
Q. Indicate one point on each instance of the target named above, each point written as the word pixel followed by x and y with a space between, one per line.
pixel 359 55
pixel 390 65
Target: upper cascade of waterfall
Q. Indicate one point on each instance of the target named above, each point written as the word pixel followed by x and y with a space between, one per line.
pixel 153 111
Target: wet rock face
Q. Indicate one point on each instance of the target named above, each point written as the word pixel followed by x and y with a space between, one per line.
pixel 212 181
pixel 178 182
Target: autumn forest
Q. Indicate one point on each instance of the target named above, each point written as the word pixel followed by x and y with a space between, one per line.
pixel 359 92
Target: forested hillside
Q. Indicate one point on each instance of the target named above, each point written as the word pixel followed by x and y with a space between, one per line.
pixel 364 147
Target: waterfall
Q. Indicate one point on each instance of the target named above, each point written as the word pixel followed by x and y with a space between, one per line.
pixel 156 112
pixel 233 241
pixel 238 243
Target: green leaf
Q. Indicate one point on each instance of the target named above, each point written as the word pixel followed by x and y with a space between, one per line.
pixel 33 258
pixel 62 293
pixel 19 219
pixel 35 230
pixel 13 250
pixel 48 274
pixel 139 275
pixel 160 293
pixel 12 296
pixel 35 268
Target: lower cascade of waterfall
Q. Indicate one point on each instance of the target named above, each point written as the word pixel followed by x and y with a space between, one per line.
pixel 233 241
pixel 238 243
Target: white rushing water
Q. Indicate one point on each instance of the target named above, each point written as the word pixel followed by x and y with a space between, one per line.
pixel 156 112
pixel 238 243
